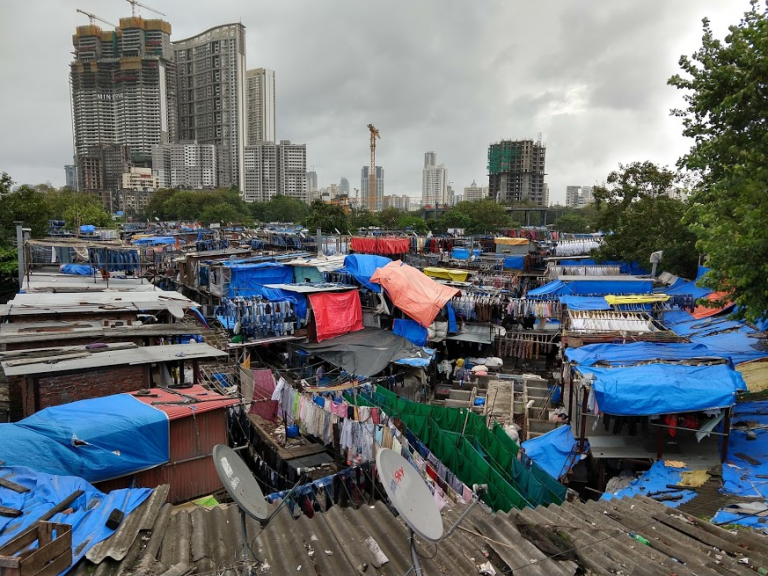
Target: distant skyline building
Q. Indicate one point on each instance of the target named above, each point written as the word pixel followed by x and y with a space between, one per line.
pixel 272 169
pixel 578 196
pixel 402 202
pixel 516 171
pixel 365 187
pixel 344 186
pixel 260 95
pixel 475 192
pixel 189 166
pixel 312 187
pixel 212 105
pixel 70 176
pixel 139 179
pixel 434 182
pixel 101 168
pixel 123 90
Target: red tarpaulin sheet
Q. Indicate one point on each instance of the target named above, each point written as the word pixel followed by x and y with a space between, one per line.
pixel 336 313
pixel 701 312
pixel 381 245
pixel 413 292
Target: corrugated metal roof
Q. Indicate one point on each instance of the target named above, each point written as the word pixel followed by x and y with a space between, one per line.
pixel 39 303
pixel 56 282
pixel 128 355
pixel 310 288
pixel 184 402
pixel 17 333
pixel 553 541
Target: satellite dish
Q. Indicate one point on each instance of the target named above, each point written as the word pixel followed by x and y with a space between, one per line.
pixel 239 482
pixel 409 495
pixel 176 310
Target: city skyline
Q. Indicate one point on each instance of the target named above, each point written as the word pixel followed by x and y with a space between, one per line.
pixel 594 108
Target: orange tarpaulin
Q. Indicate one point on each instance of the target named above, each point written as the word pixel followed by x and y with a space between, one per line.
pixel 413 292
pixel 705 311
pixel 381 245
pixel 336 313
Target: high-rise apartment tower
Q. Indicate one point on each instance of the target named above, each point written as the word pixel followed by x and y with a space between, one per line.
pixel 123 88
pixel 210 71
pixel 260 95
pixel 516 171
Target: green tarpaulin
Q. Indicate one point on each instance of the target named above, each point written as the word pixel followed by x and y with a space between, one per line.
pixel 479 456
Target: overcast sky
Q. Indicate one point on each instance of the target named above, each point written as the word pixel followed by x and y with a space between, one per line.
pixel 450 76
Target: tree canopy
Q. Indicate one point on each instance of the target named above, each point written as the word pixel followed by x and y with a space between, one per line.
pixel 328 218
pixel 280 208
pixel 208 206
pixel 572 222
pixel 726 106
pixel 477 217
pixel 639 217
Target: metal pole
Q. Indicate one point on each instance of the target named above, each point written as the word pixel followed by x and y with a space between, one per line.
pixel 414 554
pixel 20 251
pixel 246 552
pixel 319 241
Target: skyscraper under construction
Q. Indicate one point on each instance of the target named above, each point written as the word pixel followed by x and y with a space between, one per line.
pixel 516 171
pixel 123 88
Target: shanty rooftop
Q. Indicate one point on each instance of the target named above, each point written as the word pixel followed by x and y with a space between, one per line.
pixel 94 303
pixel 74 358
pixel 56 282
pixel 557 540
pixel 34 332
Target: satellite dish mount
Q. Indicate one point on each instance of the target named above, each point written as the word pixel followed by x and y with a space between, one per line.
pixel 412 499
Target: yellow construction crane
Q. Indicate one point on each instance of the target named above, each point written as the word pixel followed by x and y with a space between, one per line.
pixel 372 182
pixel 93 18
pixel 135 3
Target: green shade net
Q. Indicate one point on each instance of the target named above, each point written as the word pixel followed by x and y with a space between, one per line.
pixel 478 456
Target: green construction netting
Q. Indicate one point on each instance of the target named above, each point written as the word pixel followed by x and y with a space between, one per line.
pixel 478 456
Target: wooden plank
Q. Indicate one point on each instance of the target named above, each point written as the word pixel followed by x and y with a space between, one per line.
pixel 10 512
pixel 57 566
pixel 5 483
pixel 61 546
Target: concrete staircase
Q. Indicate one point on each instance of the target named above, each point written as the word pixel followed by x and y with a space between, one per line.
pixel 537 389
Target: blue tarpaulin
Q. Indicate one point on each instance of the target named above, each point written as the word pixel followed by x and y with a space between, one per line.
pixel 516 262
pixel 452 326
pixel 96 439
pixel 298 300
pixel 656 480
pixel 157 241
pixel 686 287
pixel 87 515
pixel 664 388
pixel 551 451
pixel 411 330
pixel 77 269
pixel 738 344
pixel 249 279
pixel 632 353
pixel 87 229
pixel 362 267
pixel 429 354
pixel 743 480
pixel 464 253
pixel 552 289
pixel 585 302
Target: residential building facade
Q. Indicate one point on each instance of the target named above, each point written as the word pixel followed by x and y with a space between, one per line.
pixel 260 95
pixel 272 169
pixel 365 187
pixel 344 186
pixel 210 70
pixel 474 192
pixel 578 196
pixel 516 171
pixel 400 202
pixel 190 166
pixel 434 182
pixel 100 168
pixel 70 176
pixel 139 179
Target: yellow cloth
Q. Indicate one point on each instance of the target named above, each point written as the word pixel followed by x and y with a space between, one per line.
pixel 247 362
pixel 694 478
pixel 447 274
pixel 636 299
pixel 674 464
pixel 460 362
pixel 511 241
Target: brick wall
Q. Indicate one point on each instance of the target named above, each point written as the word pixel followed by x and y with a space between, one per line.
pixel 64 388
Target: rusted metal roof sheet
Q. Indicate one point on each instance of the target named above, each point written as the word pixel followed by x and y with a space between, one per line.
pixel 553 541
pixel 184 402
